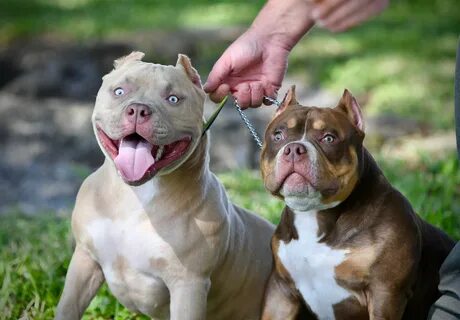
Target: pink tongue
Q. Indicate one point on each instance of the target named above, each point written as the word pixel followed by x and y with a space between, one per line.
pixel 134 159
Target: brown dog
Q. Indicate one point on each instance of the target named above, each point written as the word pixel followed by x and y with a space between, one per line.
pixel 349 246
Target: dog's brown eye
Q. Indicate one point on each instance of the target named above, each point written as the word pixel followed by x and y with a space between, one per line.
pixel 278 135
pixel 328 138
pixel 119 91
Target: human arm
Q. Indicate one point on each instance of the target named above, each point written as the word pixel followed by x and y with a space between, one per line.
pixel 255 64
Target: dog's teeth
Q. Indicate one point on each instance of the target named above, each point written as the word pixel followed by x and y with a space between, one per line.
pixel 159 153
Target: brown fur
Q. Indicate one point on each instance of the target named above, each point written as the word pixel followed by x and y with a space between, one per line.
pixel 391 269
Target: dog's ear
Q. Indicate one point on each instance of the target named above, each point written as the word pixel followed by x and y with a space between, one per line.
pixel 289 100
pixel 184 62
pixel 350 106
pixel 133 56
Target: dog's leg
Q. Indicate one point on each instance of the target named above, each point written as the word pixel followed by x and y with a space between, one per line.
pixel 188 299
pixel 83 279
pixel 386 304
pixel 280 303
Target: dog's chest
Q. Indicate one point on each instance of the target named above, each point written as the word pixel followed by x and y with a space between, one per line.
pixel 133 257
pixel 312 266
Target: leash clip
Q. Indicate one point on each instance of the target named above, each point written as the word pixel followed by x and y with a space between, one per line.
pixel 249 125
pixel 247 122
pixel 274 101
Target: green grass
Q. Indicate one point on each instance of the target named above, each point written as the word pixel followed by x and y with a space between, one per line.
pixel 35 251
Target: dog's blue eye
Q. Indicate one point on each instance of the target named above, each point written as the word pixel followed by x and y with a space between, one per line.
pixel 328 138
pixel 173 99
pixel 119 91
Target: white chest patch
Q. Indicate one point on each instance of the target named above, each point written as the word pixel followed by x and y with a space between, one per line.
pixel 129 251
pixel 311 265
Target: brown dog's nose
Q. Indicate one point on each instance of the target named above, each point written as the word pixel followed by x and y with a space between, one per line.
pixel 294 152
pixel 138 113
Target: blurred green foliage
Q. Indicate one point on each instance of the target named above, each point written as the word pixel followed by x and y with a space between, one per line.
pixel 90 19
pixel 400 63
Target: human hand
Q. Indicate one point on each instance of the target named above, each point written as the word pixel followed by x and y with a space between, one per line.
pixel 253 66
pixel 341 15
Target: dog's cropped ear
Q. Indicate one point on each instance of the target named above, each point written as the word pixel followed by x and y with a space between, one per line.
pixel 350 106
pixel 289 100
pixel 133 56
pixel 184 62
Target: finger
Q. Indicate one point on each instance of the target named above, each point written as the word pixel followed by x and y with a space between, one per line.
pixel 372 9
pixel 219 72
pixel 343 12
pixel 324 8
pixel 257 94
pixel 218 94
pixel 243 95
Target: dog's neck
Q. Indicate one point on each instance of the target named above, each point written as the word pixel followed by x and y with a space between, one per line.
pixel 371 182
pixel 193 170
pixel 371 185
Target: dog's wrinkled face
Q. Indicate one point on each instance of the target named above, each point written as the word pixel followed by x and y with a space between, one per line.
pixel 148 118
pixel 311 156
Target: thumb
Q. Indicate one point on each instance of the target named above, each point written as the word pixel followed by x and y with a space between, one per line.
pixel 219 72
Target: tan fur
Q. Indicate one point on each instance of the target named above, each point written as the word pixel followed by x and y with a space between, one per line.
pixel 174 247
pixel 319 125
pixel 291 123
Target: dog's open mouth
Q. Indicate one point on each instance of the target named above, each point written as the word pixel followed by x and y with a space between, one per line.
pixel 138 160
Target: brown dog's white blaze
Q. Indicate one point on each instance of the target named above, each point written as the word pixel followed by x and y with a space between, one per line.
pixel 321 166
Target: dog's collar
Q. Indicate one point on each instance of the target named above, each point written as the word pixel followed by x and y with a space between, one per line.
pixel 207 124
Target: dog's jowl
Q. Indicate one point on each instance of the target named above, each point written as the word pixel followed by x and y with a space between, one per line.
pixel 349 245
pixel 153 221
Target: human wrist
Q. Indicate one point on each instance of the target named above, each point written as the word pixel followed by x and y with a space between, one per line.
pixel 282 22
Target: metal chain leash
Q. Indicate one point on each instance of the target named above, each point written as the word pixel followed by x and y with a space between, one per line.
pixel 248 123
